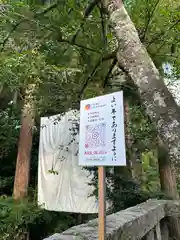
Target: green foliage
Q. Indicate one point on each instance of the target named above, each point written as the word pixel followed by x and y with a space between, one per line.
pixel 150 176
pixel 123 191
pixel 37 46
pixel 158 24
pixel 6 184
pixel 19 218
pixel 126 192
pixel 9 129
pixel 141 130
pixel 61 49
pixel 129 193
pixel 15 218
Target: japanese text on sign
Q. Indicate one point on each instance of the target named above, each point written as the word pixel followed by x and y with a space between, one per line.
pixel 102 139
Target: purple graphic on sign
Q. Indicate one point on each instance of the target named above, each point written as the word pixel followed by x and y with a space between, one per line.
pixel 95 135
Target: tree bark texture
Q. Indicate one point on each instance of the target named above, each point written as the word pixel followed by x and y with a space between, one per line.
pixel 25 144
pixel 168 186
pixel 134 59
pixel 158 101
pixel 166 173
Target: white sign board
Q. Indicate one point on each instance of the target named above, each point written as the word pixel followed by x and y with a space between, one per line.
pixel 102 138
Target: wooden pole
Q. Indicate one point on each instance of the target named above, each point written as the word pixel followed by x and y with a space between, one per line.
pixel 102 203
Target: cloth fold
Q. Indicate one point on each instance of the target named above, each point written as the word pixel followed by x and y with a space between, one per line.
pixel 62 184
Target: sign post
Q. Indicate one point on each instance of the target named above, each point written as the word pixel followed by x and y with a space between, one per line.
pixel 102 142
pixel 101 203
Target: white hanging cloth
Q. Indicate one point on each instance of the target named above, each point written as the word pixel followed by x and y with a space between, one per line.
pixel 62 184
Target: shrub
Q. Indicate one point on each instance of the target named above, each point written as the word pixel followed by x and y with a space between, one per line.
pixel 19 218
pixel 16 217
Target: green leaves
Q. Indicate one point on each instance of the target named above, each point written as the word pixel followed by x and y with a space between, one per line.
pixel 18 218
pixel 61 50
pixel 15 217
pixel 158 23
pixel 9 124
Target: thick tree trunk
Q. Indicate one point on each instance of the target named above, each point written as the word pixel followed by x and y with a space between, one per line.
pixel 159 103
pixel 134 59
pixel 25 144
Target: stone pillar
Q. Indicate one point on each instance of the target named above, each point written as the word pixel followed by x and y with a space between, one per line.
pixel 150 235
pixel 154 234
pixel 164 229
pixel 157 231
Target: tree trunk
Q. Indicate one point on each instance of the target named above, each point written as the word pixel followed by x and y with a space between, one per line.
pixel 127 136
pixel 166 173
pixel 15 97
pixel 168 185
pixel 136 165
pixel 158 101
pixel 25 144
pixel 133 161
pixel 1 88
pixel 134 59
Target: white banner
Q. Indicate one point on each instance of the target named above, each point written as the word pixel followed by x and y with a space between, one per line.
pixel 102 138
pixel 63 186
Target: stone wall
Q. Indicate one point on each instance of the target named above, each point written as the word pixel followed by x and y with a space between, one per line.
pixel 147 221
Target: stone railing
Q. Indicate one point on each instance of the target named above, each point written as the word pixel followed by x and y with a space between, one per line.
pixel 146 221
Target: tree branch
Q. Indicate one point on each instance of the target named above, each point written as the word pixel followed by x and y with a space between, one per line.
pixel 103 26
pixel 162 44
pixel 90 77
pixel 79 45
pixel 16 25
pixel 150 16
pixel 109 72
pixel 164 33
pixel 87 12
pixel 101 59
pixel 48 9
pixel 110 56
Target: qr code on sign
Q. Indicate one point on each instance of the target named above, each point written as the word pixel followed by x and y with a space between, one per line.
pixel 95 135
